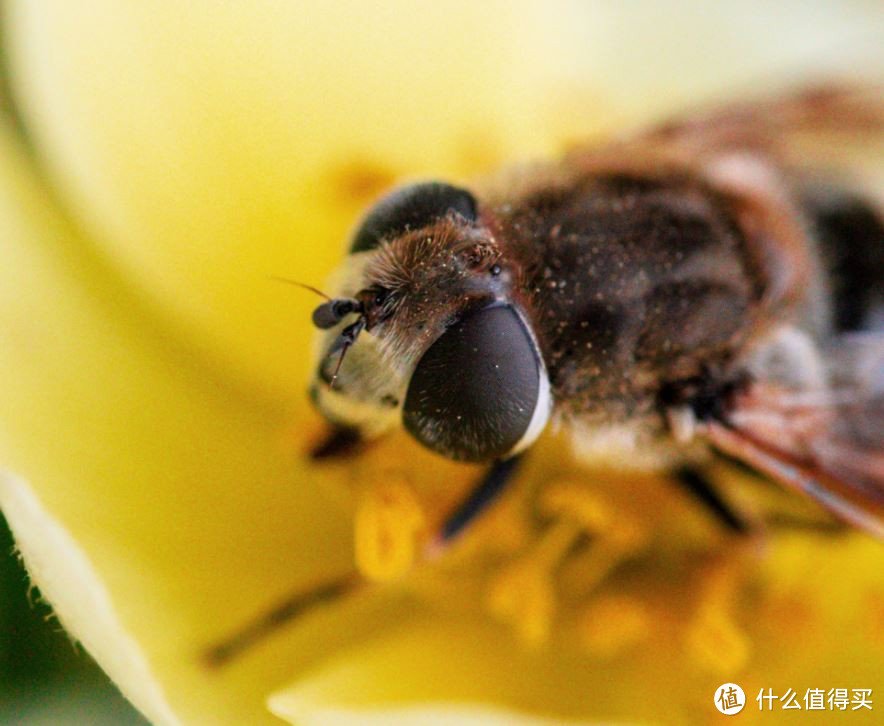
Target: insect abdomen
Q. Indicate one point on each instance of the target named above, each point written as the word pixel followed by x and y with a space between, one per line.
pixel 850 231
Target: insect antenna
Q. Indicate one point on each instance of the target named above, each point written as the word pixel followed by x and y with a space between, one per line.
pixel 303 285
pixel 331 312
pixel 267 623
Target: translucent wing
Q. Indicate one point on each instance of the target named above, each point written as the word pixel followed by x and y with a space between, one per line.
pixel 825 439
pixel 823 129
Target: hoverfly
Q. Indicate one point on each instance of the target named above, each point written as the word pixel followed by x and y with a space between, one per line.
pixel 708 286
pixel 696 287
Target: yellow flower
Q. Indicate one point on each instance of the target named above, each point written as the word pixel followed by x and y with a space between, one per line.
pixel 152 418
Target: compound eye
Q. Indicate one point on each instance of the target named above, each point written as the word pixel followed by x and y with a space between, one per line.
pixel 479 393
pixel 412 207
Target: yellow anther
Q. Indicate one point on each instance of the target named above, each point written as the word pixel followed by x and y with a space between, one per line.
pixel 555 543
pixel 523 593
pixel 523 596
pixel 614 623
pixel 713 639
pixel 573 499
pixel 388 524
pixel 716 643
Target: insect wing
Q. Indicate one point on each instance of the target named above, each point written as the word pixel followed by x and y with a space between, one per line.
pixel 822 128
pixel 828 444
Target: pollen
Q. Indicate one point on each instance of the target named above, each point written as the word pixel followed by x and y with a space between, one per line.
pixel 388 526
pixel 601 565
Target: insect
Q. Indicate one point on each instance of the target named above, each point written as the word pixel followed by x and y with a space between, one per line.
pixel 699 287
pixel 708 286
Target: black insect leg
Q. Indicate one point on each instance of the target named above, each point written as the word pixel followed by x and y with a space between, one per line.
pixel 283 613
pixel 485 493
pixel 340 442
pixel 704 492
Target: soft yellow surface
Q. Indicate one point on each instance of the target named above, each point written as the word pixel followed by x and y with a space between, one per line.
pixel 151 376
pixel 169 481
pixel 68 581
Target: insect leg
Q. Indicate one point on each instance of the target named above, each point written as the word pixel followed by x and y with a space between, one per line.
pixel 283 613
pixel 699 486
pixel 340 442
pixel 786 521
pixel 482 495
pixel 704 492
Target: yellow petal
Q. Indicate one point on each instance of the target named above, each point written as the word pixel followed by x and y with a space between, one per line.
pixel 428 715
pixel 189 501
pixel 437 668
pixel 446 665
pixel 83 602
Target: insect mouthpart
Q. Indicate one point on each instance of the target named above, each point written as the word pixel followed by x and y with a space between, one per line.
pixel 331 313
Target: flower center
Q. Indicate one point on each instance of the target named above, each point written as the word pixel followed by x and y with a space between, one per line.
pixel 560 562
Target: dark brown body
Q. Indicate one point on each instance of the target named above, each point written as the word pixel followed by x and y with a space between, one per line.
pixel 653 269
pixel 633 285
pixel 682 285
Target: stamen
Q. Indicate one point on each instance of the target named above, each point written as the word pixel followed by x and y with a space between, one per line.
pixel 573 499
pixel 523 596
pixel 713 638
pixel 389 522
pixel 523 593
pixel 608 625
pixel 613 624
pixel 617 535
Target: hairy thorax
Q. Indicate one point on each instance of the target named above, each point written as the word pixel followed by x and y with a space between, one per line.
pixel 632 285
